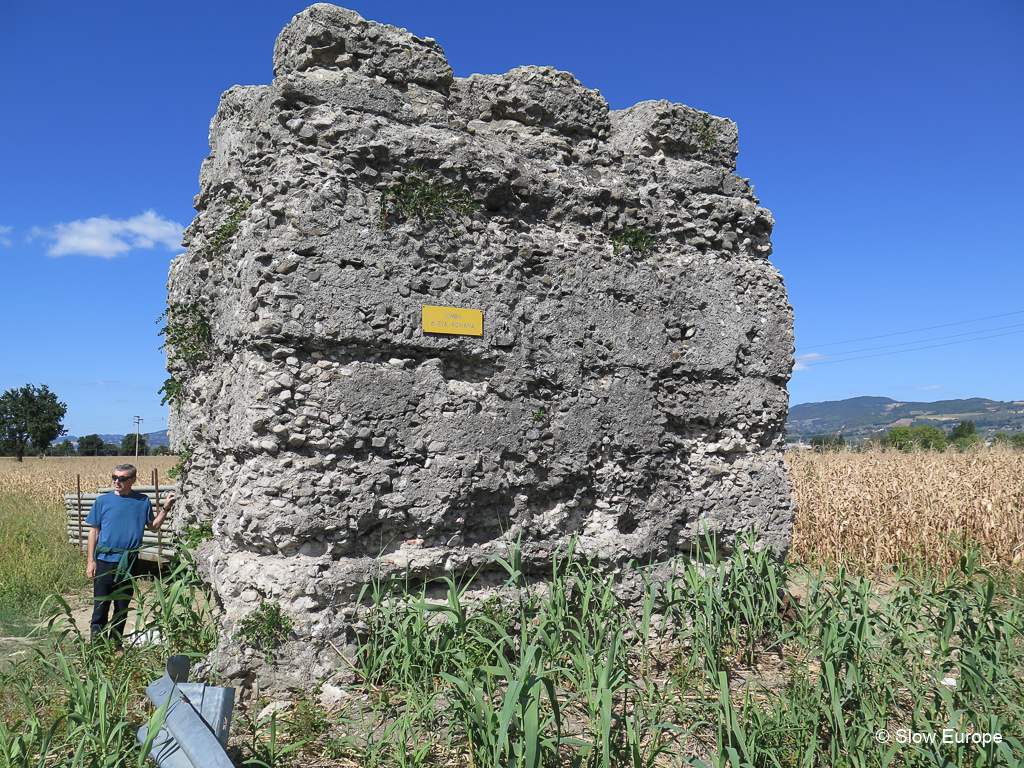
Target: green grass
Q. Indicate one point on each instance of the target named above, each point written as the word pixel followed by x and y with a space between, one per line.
pixel 265 629
pixel 15 622
pixel 35 558
pixel 560 676
pixel 72 703
pixel 559 672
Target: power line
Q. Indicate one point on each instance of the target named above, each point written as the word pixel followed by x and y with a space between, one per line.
pixel 922 341
pixel 918 330
pixel 916 349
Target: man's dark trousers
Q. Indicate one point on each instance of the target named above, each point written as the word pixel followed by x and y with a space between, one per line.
pixel 108 591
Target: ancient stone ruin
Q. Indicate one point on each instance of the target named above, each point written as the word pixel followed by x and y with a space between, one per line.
pixel 421 317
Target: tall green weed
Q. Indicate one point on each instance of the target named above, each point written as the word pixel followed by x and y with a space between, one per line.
pixel 75 703
pixel 35 557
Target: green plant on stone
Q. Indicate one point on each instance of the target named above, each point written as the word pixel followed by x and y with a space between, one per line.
pixel 192 535
pixel 188 340
pixel 539 414
pixel 265 629
pixel 707 131
pixel 173 392
pixel 179 470
pixel 638 239
pixel 426 196
pixel 187 334
pixel 222 236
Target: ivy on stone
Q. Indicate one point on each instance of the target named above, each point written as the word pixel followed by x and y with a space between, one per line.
pixel 188 340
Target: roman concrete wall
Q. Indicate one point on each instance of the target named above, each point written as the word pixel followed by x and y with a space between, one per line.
pixel 623 382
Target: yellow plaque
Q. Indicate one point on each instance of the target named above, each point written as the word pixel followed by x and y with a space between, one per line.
pixel 468 322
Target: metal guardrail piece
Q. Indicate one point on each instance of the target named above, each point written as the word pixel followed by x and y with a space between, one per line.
pixel 196 724
pixel 178 668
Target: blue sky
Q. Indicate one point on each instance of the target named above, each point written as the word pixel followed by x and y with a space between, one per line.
pixel 886 137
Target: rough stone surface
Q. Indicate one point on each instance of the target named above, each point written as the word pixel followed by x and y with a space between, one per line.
pixel 627 396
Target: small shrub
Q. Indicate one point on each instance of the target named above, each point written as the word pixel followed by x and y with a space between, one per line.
pixel 638 239
pixel 265 629
pixel 707 131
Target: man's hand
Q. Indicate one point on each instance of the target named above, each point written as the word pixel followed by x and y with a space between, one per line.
pixel 90 552
pixel 164 509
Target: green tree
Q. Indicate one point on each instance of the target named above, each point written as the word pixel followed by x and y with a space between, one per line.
pixel 929 438
pixel 900 439
pixel 924 437
pixel 964 443
pixel 30 416
pixel 128 445
pixel 64 449
pixel 162 450
pixel 110 449
pixel 90 445
pixel 962 430
pixel 1018 441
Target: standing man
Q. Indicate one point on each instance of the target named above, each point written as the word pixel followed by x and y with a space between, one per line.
pixel 118 521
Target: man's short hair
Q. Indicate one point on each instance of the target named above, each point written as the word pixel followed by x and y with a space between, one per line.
pixel 125 468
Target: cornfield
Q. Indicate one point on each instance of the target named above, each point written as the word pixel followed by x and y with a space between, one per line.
pixel 871 510
pixel 863 510
pixel 50 478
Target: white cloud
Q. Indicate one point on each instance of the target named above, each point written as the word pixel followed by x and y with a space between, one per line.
pixel 799 362
pixel 107 238
pixel 926 389
pixel 4 231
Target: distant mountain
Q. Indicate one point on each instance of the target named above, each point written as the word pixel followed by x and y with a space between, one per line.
pixel 158 438
pixel 860 416
pixel 155 439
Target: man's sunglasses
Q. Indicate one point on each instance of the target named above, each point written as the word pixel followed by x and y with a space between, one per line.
pixel 122 478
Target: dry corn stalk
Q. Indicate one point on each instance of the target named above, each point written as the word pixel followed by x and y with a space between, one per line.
pixel 50 478
pixel 879 508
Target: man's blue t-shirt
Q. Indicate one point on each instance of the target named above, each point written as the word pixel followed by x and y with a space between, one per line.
pixel 121 520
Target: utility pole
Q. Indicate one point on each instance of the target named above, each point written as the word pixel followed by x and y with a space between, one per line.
pixel 138 421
